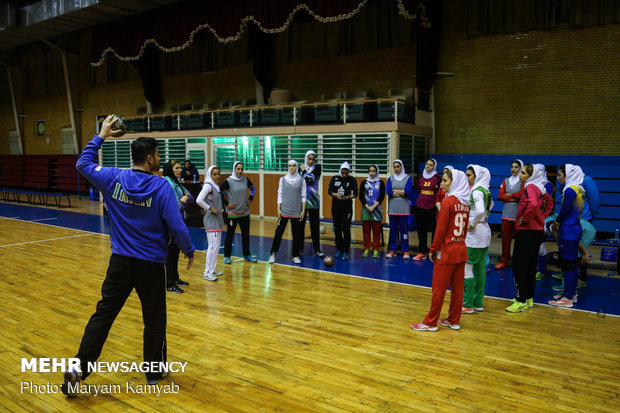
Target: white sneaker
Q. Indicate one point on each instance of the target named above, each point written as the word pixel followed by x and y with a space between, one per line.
pixel 296 260
pixel 209 277
pixel 217 273
pixel 272 258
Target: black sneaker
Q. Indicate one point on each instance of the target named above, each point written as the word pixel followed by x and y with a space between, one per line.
pixel 182 283
pixel 319 254
pixel 70 384
pixel 157 380
pixel 175 290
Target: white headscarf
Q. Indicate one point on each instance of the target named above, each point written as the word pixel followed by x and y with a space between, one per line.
pixel 483 176
pixel 309 168
pixel 209 180
pixel 429 175
pixel 402 173
pixel 544 172
pixel 515 178
pixel 376 178
pixel 574 177
pixel 459 187
pixel 234 172
pixel 537 179
pixel 344 165
pixel 291 178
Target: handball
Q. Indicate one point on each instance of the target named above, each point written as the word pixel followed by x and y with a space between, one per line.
pixel 119 125
pixel 322 229
pixel 328 261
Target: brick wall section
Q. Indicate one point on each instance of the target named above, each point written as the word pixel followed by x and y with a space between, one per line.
pixel 540 92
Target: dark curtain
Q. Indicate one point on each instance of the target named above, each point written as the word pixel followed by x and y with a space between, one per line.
pixel 486 17
pixel 149 69
pixel 262 49
pixel 427 52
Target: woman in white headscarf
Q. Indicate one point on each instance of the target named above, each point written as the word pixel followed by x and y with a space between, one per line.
pixel 426 211
pixel 342 189
pixel 311 172
pixel 449 253
pixel 398 189
pixel 529 225
pixel 510 192
pixel 291 207
pixel 210 200
pixel 478 238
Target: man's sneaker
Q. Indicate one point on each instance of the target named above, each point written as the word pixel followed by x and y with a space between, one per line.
pixel 157 380
pixel 174 290
pixel 337 254
pixel 540 276
pixel 423 327
pixel 517 307
pixel 446 323
pixel 319 254
pixel 562 302
pixel 467 310
pixel 420 257
pixel 366 253
pixel 209 277
pixel 406 256
pixel 375 254
pixel 249 258
pixel 272 258
pixel 529 302
pixel 182 283
pixel 71 381
pixel 217 273
pixel 558 276
pixel 558 296
pixel 479 309
pixel 226 260
pixel 390 254
pixel 296 260
pixel 344 256
pixel 581 284
pixel 500 266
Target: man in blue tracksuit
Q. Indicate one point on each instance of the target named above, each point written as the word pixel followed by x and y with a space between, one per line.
pixel 143 216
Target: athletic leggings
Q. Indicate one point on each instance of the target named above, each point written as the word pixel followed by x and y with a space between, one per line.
pixel 298 235
pixel 427 220
pixel 314 228
pixel 525 262
pixel 244 223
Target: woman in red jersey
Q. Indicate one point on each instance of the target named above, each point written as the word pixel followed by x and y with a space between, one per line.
pixel 448 252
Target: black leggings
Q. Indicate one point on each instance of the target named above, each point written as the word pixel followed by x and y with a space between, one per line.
pixel 314 228
pixel 426 220
pixel 298 235
pixel 525 262
pixel 244 223
pixel 342 226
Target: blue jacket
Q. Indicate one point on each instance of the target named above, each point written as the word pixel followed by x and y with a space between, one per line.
pixel 591 202
pixel 142 207
pixel 570 210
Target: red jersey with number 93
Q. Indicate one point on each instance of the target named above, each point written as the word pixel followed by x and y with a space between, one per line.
pixel 450 233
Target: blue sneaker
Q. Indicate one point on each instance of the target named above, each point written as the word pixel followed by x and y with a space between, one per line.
pixel 226 260
pixel 249 258
pixel 337 254
pixel 344 256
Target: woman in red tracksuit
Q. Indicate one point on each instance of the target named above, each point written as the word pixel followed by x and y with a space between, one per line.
pixel 448 252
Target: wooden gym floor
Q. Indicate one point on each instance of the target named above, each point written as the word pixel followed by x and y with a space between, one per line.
pixel 283 338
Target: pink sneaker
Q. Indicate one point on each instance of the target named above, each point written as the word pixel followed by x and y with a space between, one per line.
pixel 423 327
pixel 559 296
pixel 406 256
pixel 390 254
pixel 420 257
pixel 446 323
pixel 467 310
pixel 562 302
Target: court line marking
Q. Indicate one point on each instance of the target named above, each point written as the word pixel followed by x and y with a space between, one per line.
pixel 44 240
pixel 42 219
pixel 57 226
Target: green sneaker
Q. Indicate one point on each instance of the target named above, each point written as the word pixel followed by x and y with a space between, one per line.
pixel 558 288
pixel 517 307
pixel 375 254
pixel 540 276
pixel 530 302
pixel 581 284
pixel 558 276
pixel 366 253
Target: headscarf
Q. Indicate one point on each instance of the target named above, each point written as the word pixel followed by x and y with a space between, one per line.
pixel 344 165
pixel 483 176
pixel 574 177
pixel 209 180
pixel 450 167
pixel 544 172
pixel 537 179
pixel 292 178
pixel 459 187
pixel 513 179
pixel 309 168
pixel 376 178
pixel 402 173
pixel 429 175
pixel 234 172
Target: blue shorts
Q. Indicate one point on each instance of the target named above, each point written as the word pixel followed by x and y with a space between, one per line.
pixel 569 249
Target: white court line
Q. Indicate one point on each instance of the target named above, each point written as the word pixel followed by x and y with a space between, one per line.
pixel 42 219
pixel 58 226
pixel 43 240
pixel 9 217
